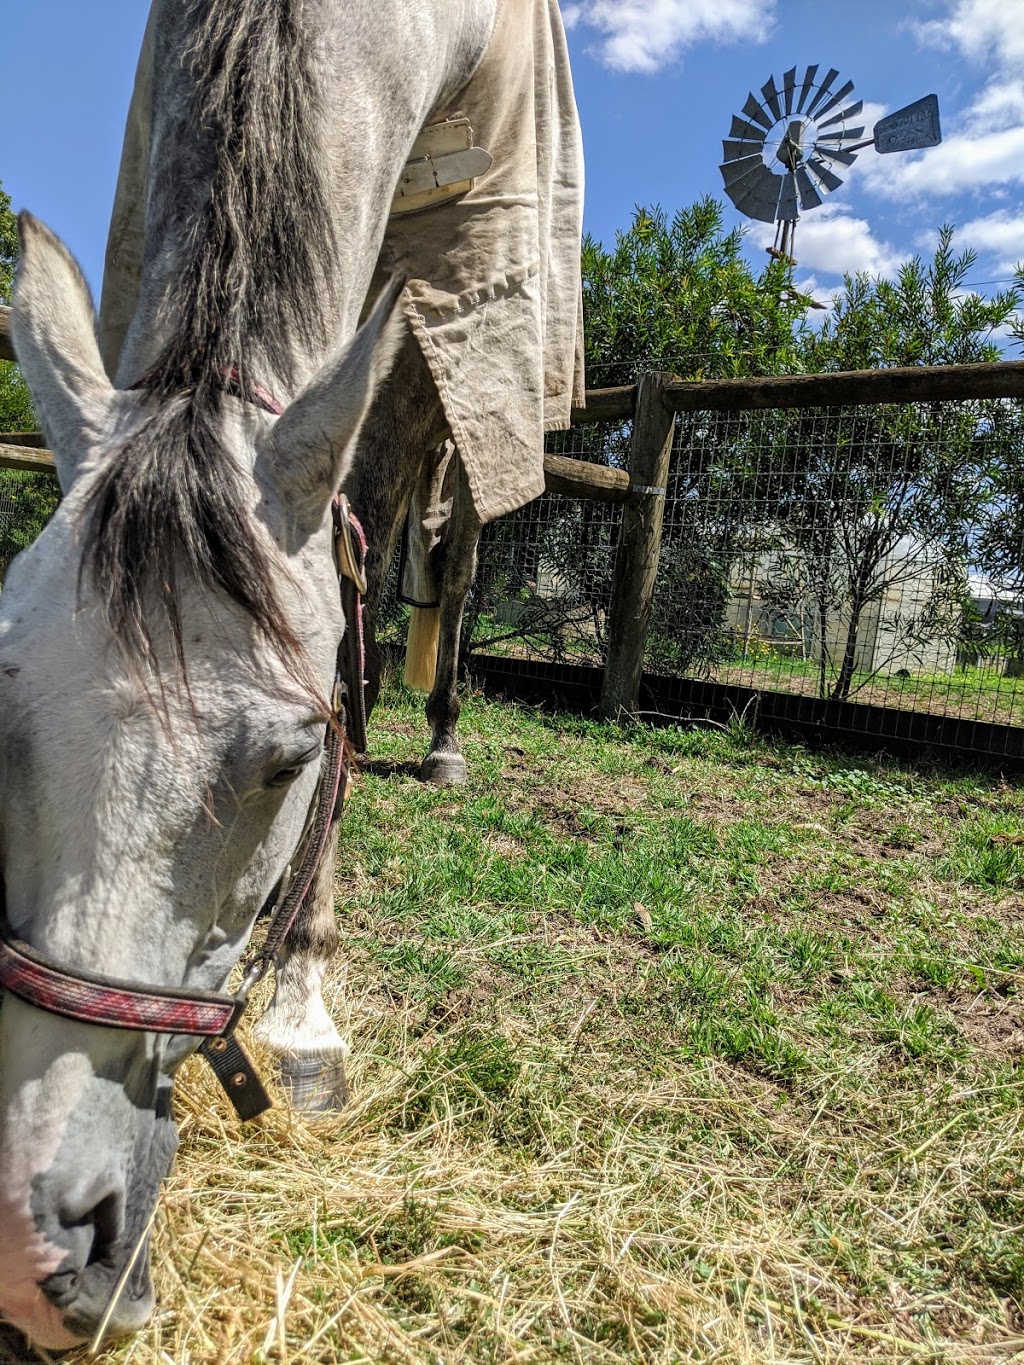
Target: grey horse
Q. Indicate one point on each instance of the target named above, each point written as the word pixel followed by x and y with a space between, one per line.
pixel 168 646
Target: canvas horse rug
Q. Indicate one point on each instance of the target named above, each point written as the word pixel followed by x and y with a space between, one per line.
pixel 494 295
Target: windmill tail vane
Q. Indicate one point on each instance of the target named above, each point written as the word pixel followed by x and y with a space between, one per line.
pixel 789 149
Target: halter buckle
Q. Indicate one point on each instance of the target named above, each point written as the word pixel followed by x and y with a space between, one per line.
pixel 257 971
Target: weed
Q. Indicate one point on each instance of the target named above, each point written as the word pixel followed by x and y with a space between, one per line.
pixel 980 858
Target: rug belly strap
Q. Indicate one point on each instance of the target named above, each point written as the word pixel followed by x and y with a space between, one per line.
pixel 442 166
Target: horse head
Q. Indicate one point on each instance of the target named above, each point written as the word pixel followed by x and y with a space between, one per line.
pixel 167 652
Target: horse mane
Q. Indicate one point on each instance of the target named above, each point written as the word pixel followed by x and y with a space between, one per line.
pixel 240 188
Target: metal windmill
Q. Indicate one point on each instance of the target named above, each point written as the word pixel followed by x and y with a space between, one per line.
pixel 786 151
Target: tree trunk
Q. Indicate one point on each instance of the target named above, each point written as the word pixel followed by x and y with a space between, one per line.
pixel 822 647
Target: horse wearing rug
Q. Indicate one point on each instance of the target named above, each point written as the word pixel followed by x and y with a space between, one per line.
pixel 494 353
pixel 168 648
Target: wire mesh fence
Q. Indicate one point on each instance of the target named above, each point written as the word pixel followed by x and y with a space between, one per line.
pixel 543 580
pixel 867 554
pixel 8 516
pixel 27 502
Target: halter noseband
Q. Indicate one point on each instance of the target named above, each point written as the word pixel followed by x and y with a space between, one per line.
pixel 108 1002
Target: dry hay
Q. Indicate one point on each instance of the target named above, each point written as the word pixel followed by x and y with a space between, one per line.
pixel 409 1229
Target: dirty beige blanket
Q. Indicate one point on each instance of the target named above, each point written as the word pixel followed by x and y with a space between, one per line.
pixel 494 296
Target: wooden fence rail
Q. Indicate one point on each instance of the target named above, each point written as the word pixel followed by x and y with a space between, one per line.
pixel 652 406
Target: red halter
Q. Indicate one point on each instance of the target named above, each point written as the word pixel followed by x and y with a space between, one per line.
pixel 111 1003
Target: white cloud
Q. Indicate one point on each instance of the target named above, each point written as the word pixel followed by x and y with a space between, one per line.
pixel 644 35
pixel 831 241
pixel 1000 233
pixel 870 115
pixel 997 107
pixel 982 30
pixel 983 147
pixel 820 293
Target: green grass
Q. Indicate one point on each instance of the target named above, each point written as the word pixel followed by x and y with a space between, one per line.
pixel 825 937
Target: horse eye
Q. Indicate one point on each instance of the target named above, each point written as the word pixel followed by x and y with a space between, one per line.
pixel 283 776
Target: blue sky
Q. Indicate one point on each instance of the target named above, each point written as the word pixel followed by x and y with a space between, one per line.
pixel 657 83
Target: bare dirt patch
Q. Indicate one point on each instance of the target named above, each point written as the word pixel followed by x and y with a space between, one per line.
pixel 561 805
pixel 992 1024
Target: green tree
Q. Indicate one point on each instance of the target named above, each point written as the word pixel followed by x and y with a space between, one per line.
pixel 925 316
pixel 680 295
pixel 8 246
pixel 999 548
pixel 877 505
pixel 16 411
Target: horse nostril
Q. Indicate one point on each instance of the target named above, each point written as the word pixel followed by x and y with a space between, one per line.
pixel 61 1288
pixel 92 1227
pixel 106 1222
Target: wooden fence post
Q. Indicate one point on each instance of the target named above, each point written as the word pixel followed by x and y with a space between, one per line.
pixel 636 563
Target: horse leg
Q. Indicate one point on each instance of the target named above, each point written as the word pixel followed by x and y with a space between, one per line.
pixel 454 565
pixel 297 1027
pixel 405 421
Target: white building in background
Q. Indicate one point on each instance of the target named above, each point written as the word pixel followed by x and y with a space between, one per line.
pixel 996 602
pixel 992 598
pixel 900 630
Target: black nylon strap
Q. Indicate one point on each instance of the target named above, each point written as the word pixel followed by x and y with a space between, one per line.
pixel 238 1077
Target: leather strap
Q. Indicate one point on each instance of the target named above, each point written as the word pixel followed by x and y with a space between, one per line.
pixel 110 1002
pixel 350 558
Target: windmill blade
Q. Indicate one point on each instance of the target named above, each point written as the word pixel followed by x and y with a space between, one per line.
pixel 787 210
pixel 835 100
pixel 809 196
pixel 788 90
pixel 807 87
pixel 735 171
pixel 821 172
pixel 747 132
pixel 757 194
pixel 824 90
pixel 732 151
pixel 753 110
pixel 851 112
pixel 807 120
pixel 844 135
pixel 836 154
pixel 771 98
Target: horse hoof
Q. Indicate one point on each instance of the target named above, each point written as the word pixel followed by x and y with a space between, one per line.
pixel 314 1084
pixel 443 770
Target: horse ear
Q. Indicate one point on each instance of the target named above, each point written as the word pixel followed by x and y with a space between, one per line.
pixel 53 328
pixel 311 446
